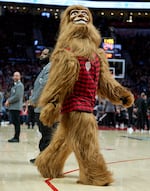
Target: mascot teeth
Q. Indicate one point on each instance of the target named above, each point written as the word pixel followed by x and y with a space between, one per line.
pixel 80 22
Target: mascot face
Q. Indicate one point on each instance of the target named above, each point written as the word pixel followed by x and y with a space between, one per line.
pixel 79 17
pixel 75 16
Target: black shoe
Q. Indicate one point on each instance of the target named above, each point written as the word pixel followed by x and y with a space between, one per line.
pixel 13 140
pixel 32 161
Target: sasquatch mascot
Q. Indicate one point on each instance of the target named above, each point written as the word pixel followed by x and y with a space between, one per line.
pixel 78 73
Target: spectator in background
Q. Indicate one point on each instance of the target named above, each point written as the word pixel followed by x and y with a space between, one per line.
pixel 39 84
pixel 121 117
pixel 14 104
pixel 145 113
pixel 1 105
pixel 134 115
pixel 110 110
pixel 100 112
pixel 130 120
pixel 24 114
pixel 141 109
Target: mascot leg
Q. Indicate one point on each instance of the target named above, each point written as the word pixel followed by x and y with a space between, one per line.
pixel 84 141
pixel 51 161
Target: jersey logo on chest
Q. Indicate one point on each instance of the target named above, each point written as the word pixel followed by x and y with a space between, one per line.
pixel 88 66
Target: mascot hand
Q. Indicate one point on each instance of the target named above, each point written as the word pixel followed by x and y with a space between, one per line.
pixel 50 114
pixel 127 99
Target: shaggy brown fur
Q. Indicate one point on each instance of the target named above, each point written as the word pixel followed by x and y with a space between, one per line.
pixel 77 131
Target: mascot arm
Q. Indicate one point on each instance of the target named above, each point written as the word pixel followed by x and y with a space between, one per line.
pixel 109 88
pixel 62 77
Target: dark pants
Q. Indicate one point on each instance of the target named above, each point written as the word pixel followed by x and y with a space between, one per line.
pixel 146 120
pixel 31 116
pixel 45 131
pixel 130 120
pixel 111 119
pixel 15 120
pixel 140 120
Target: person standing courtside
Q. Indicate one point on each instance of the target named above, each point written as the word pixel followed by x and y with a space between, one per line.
pixel 141 111
pixel 15 104
pixel 1 105
pixel 46 132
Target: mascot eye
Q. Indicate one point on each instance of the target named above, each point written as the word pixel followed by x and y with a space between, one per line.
pixel 78 12
pixel 73 13
pixel 84 13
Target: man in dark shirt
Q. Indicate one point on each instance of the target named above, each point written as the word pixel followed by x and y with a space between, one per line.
pixel 141 110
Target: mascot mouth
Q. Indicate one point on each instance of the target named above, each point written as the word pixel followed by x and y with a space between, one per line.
pixel 79 21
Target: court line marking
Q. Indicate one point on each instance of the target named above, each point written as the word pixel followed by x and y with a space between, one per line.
pixel 137 138
pixel 53 188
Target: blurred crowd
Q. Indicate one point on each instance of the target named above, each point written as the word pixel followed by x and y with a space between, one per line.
pixel 136 117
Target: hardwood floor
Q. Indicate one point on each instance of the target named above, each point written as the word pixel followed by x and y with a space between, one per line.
pixel 127 156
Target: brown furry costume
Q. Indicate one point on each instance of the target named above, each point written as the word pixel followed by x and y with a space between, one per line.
pixel 77 131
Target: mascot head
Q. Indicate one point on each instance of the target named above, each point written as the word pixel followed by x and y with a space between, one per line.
pixel 77 31
pixel 76 16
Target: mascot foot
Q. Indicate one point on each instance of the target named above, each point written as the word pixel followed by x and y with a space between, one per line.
pixel 104 181
pixel 47 171
pixel 94 184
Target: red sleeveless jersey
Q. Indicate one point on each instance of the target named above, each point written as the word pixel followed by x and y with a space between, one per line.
pixel 83 96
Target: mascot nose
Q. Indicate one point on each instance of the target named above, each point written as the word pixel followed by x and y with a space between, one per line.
pixel 80 14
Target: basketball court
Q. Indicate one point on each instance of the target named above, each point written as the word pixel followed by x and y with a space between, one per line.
pixel 127 156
